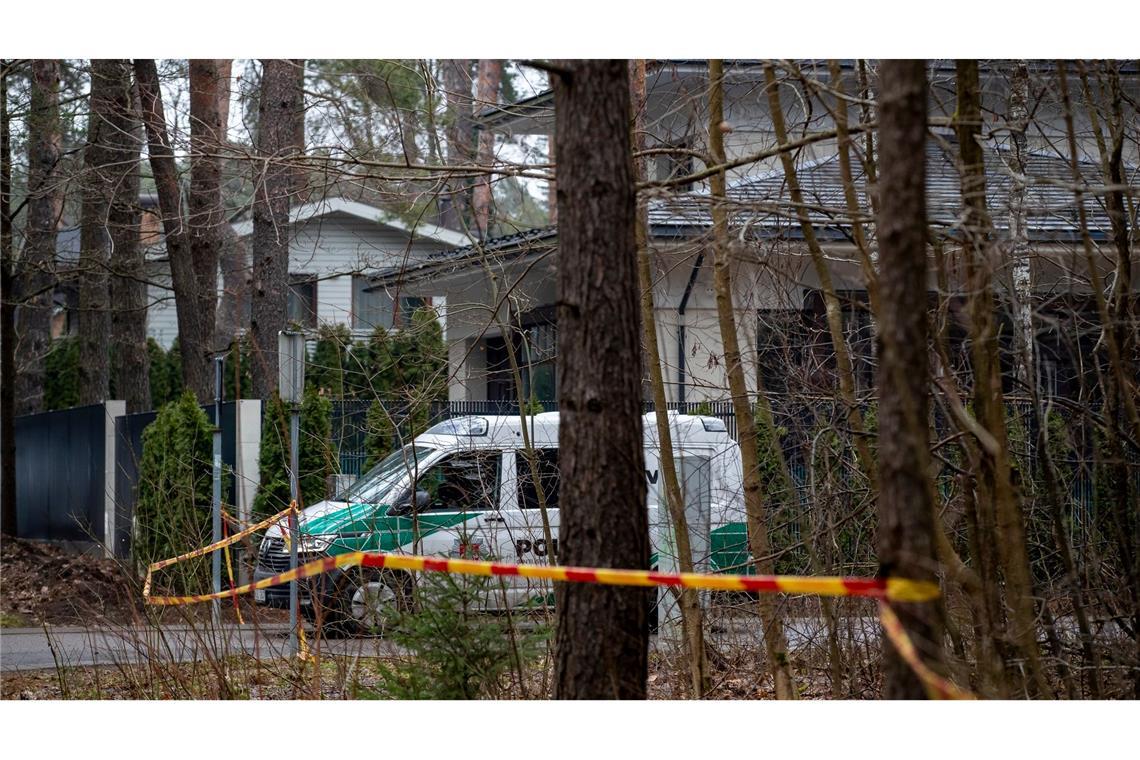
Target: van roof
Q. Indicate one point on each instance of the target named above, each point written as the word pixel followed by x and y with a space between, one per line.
pixel 506 430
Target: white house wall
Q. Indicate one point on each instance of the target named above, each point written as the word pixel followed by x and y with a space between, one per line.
pixel 332 248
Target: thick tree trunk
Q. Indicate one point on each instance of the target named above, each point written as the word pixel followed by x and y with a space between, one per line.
pixel 692 619
pixel 487 96
pixel 36 271
pixel 209 89
pixel 94 236
pixel 8 516
pixel 274 182
pixel 130 368
pixel 775 639
pixel 603 635
pixel 194 332
pixel 455 206
pixel 906 511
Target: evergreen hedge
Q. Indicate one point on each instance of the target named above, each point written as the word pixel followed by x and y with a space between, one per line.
pixel 173 509
pixel 317 459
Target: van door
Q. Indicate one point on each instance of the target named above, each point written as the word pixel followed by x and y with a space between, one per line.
pixel 462 505
pixel 522 537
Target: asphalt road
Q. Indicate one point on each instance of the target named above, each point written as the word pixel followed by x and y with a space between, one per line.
pixel 33 648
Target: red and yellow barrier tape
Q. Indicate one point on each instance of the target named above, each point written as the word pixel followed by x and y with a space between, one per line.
pixel 936 686
pixel 885 590
pixel 892 589
pixel 155 566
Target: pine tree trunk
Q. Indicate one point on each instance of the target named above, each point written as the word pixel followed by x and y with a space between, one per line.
pixel 274 181
pixel 209 87
pixel 487 96
pixel 194 331
pixel 455 206
pixel 775 639
pixel 36 270
pixel 602 632
pixel 130 368
pixel 95 238
pixel 8 517
pixel 906 510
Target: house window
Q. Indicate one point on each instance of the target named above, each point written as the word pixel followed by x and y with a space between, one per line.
pixel 370 308
pixel 535 346
pixel 301 306
pixel 780 349
pixel 674 165
pixel 373 307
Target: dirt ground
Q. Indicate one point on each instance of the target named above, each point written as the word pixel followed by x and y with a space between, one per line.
pixel 44 583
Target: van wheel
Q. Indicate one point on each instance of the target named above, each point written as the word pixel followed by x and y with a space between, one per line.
pixel 364 601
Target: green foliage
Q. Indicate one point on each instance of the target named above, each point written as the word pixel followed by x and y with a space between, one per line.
pixel 61 375
pixel 237 373
pixel 454 650
pixel 379 436
pixel 316 459
pixel 174 493
pixel 165 373
pixel 330 361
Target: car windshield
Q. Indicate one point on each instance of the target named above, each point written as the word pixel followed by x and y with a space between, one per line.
pixel 374 486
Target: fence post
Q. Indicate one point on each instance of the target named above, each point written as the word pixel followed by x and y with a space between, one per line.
pixel 112 409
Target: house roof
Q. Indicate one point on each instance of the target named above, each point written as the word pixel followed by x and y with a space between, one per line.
pixel 762 204
pixel 527 241
pixel 327 206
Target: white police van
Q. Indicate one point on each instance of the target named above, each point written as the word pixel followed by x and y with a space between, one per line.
pixel 465 488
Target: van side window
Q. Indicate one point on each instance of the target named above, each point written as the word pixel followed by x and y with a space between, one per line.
pixel 547 462
pixel 463 482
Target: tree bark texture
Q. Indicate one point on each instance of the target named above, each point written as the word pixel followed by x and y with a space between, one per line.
pixel 130 364
pixel 8 517
pixel 487 96
pixel 194 331
pixel 456 203
pixel 36 270
pixel 273 183
pixel 775 639
pixel 209 87
pixel 95 239
pixel 906 509
pixel 602 632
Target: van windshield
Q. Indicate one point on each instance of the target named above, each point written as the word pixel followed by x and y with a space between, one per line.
pixel 375 486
